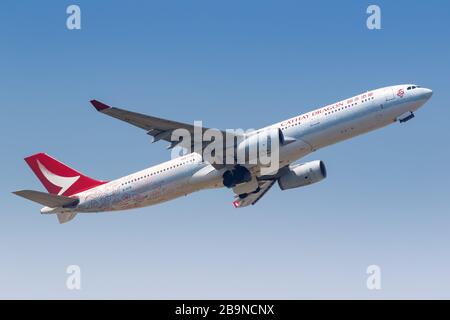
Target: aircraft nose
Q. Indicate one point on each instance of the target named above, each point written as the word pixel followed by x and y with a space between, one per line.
pixel 427 93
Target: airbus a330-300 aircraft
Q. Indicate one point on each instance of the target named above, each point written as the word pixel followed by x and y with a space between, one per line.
pixel 71 192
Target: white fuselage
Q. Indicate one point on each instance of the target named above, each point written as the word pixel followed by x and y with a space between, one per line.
pixel 309 131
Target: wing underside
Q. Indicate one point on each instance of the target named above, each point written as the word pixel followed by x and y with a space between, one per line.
pixel 252 198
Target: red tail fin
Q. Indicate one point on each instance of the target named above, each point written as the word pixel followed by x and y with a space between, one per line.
pixel 58 178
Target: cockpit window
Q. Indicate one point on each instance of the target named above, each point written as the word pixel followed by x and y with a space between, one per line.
pixel 409 88
pixel 412 87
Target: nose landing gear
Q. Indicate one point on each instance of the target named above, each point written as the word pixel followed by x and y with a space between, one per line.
pixel 406 117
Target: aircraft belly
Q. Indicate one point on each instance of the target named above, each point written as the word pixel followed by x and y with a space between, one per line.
pixel 162 189
pixel 293 151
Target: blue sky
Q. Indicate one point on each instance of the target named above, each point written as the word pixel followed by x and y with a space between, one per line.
pixel 231 64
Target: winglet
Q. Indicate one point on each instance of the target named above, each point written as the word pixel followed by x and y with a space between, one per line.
pixel 100 106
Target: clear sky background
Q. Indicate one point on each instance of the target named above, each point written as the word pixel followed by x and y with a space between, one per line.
pixel 231 64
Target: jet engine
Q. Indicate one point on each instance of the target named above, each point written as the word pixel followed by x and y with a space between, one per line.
pixel 303 175
pixel 237 175
pixel 258 144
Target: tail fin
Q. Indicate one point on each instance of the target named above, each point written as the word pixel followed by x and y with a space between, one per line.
pixel 58 178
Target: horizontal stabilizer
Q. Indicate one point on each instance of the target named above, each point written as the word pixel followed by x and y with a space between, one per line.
pixel 46 199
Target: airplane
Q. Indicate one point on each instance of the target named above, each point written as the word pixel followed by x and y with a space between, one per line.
pixel 71 192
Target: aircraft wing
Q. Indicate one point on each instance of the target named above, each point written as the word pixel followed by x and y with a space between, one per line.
pixel 252 198
pixel 158 128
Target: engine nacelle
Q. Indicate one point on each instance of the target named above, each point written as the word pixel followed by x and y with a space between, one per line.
pixel 237 175
pixel 259 144
pixel 303 175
